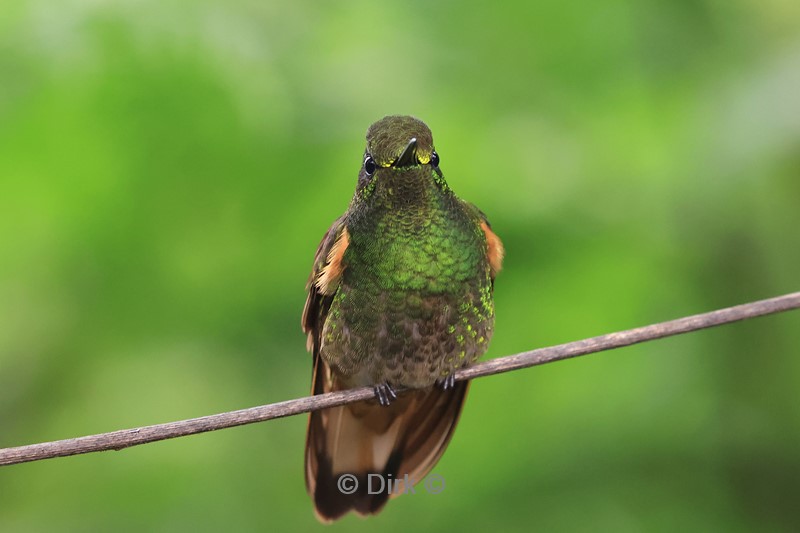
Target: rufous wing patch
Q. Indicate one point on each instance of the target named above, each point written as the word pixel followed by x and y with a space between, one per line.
pixel 495 250
pixel 332 271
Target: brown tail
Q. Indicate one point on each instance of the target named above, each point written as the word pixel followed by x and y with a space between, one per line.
pixel 407 437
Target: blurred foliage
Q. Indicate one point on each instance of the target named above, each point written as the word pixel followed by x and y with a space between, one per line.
pixel 167 169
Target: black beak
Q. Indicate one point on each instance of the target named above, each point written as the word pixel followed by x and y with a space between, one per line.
pixel 409 155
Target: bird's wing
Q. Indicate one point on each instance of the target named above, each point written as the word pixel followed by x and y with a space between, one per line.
pixel 323 282
pixel 494 246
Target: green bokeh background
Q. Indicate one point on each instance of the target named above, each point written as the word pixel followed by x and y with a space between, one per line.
pixel 167 169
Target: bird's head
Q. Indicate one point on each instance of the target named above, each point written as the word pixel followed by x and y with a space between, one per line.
pixel 400 163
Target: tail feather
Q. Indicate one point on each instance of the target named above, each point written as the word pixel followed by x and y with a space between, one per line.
pixel 407 437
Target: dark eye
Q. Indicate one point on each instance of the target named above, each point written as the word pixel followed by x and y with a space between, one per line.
pixel 369 165
pixel 434 159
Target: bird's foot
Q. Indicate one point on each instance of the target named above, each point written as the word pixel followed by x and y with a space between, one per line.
pixel 446 383
pixel 384 393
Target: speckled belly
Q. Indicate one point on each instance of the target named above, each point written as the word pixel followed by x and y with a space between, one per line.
pixel 406 338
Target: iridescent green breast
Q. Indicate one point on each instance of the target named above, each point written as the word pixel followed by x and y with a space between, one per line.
pixel 414 303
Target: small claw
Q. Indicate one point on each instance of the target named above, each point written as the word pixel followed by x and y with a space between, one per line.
pixel 447 383
pixel 384 393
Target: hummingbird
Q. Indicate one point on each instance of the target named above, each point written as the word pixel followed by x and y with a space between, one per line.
pixel 400 297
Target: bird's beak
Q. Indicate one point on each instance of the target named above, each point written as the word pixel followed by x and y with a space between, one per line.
pixel 409 155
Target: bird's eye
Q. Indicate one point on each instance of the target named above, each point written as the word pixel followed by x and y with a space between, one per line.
pixel 369 165
pixel 434 159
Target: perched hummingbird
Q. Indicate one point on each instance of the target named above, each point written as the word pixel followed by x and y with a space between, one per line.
pixel 400 295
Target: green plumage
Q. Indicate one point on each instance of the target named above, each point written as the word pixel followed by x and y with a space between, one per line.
pixel 414 303
pixel 400 295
